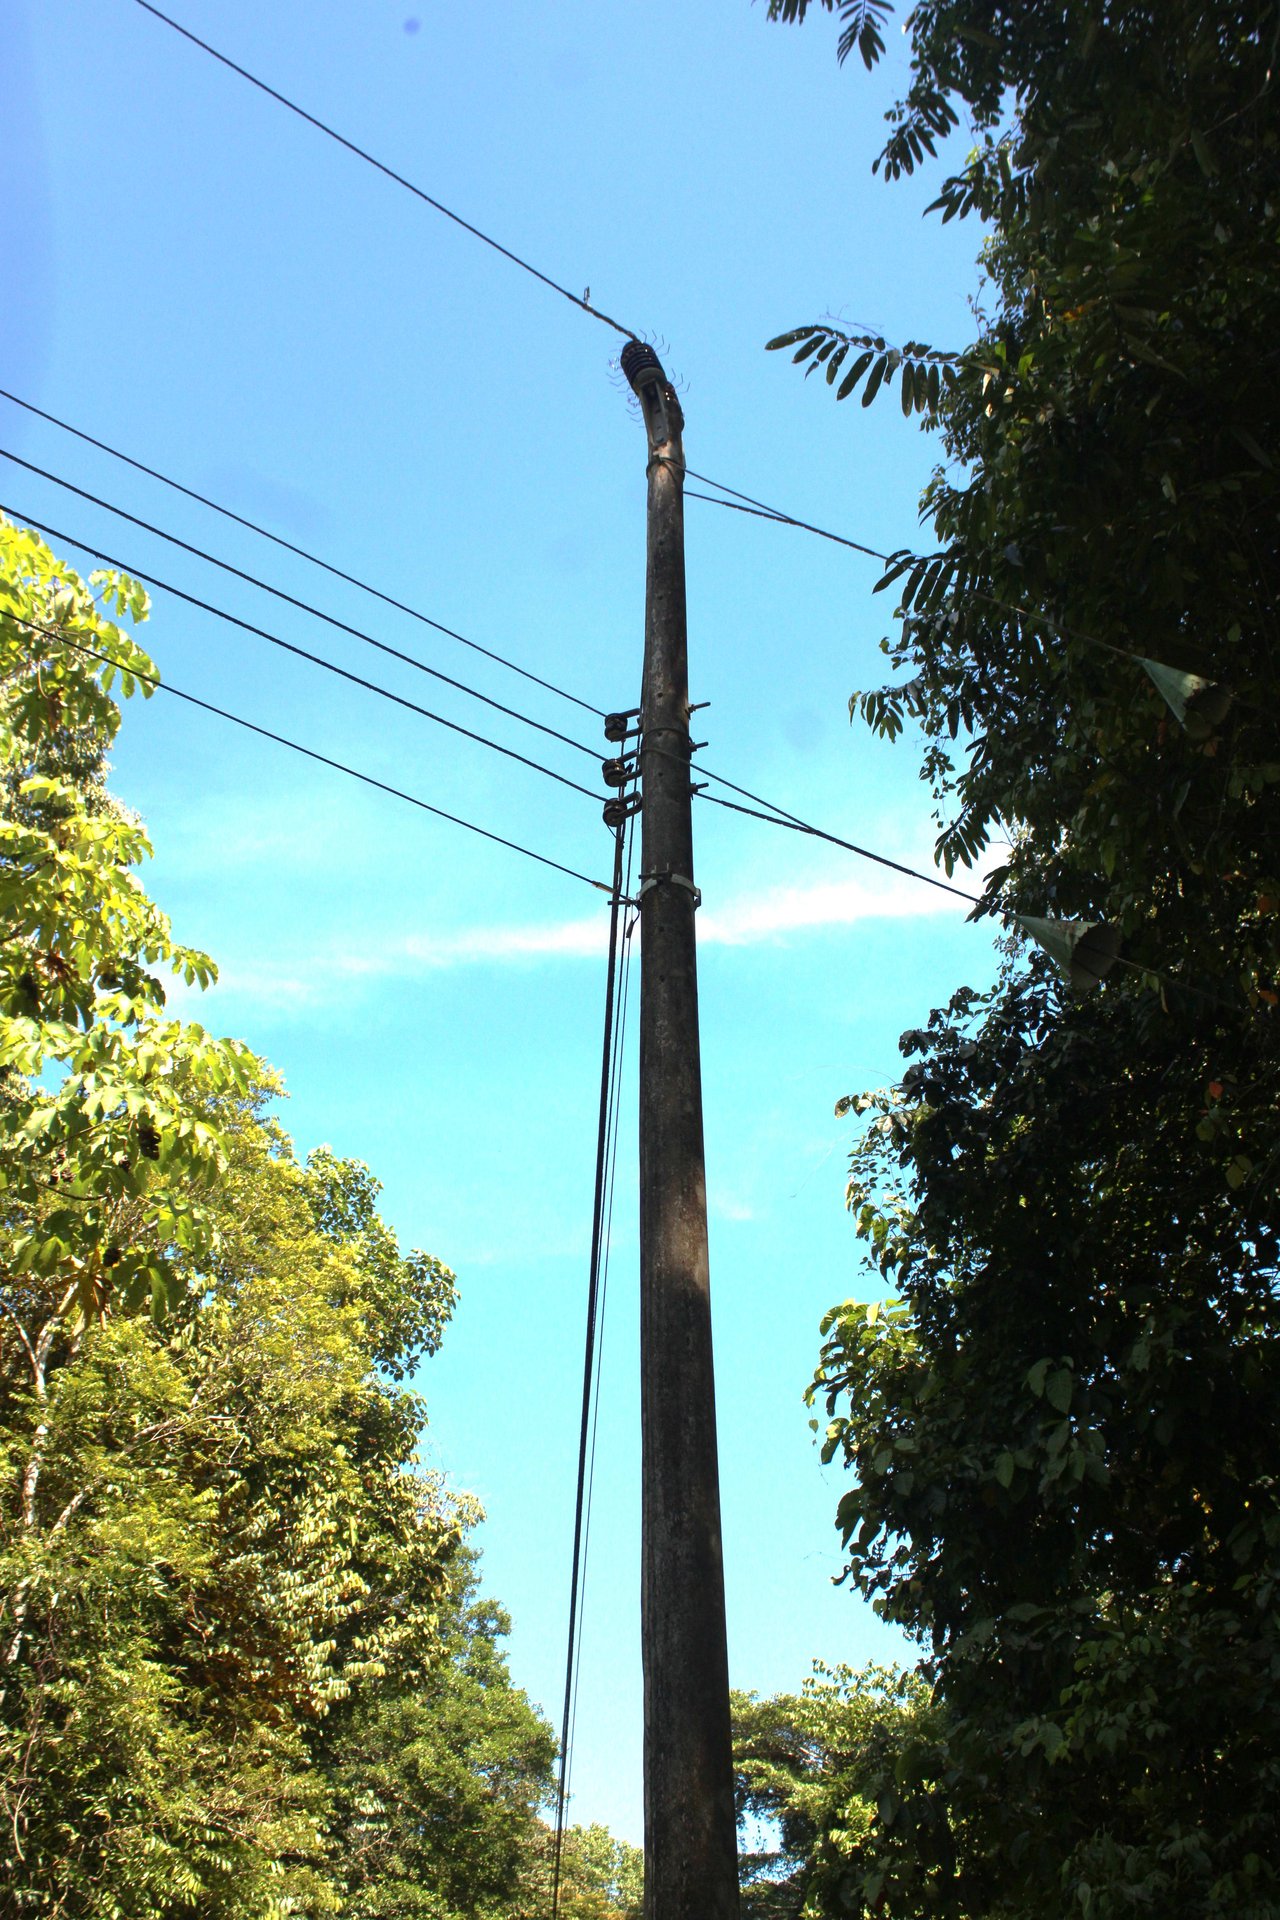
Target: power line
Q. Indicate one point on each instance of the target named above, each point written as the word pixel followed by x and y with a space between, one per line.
pixel 353 580
pixel 309 753
pixel 303 606
pixel 315 659
pixel 744 503
pixel 913 873
pixel 400 180
pixel 762 512
pixel 779 817
pixel 864 853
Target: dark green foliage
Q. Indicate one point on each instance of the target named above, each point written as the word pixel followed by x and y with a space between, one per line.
pixel 1063 1431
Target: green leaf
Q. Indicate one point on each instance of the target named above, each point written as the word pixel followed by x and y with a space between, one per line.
pixel 790 339
pixel 1036 1377
pixel 1059 1388
pixel 854 374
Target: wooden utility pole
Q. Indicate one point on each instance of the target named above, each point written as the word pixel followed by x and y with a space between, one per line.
pixel 690 1837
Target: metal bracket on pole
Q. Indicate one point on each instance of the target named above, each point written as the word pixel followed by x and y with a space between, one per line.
pixel 650 880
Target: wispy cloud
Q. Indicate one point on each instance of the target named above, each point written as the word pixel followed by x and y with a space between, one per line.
pixel 777 912
pixel 773 916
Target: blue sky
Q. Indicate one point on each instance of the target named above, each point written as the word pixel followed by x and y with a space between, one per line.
pixel 201 280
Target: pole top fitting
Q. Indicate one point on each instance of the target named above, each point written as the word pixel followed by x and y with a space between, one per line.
pixel 663 418
pixel 639 359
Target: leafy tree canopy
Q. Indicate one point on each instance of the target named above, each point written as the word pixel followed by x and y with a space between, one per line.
pixel 1062 1430
pixel 245 1667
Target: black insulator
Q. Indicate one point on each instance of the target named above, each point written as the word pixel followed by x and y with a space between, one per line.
pixel 637 358
pixel 618 811
pixel 615 724
pixel 617 772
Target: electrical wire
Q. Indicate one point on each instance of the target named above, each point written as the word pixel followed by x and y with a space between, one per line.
pixel 303 606
pixel 744 503
pixel 913 873
pixel 309 753
pixel 588 1371
pixel 400 180
pixel 302 653
pixel 864 853
pixel 619 1055
pixel 353 580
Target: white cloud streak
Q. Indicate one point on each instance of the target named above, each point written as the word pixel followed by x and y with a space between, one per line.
pixel 775 916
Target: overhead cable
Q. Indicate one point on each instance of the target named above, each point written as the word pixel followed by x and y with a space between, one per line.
pixel 619 1053
pixel 302 653
pixel 362 154
pixel 309 753
pixel 588 1372
pixel 303 606
pixel 977 900
pixel 864 853
pixel 352 580
pixel 744 503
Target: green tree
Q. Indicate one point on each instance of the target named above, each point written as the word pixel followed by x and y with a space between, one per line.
pixel 228 1542
pixel 245 1668
pixel 815 1772
pixel 601 1878
pixel 441 1776
pixel 1063 1431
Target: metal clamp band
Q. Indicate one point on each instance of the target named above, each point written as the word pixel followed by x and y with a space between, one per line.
pixel 651 880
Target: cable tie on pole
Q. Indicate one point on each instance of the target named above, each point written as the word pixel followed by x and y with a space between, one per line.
pixel 648 881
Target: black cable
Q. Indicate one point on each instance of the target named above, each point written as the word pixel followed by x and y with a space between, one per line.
pixel 619 1051
pixel 779 817
pixel 352 580
pixel 309 753
pixel 303 606
pixel 761 512
pixel 913 873
pixel 747 794
pixel 865 853
pixel 390 172
pixel 315 659
pixel 593 1286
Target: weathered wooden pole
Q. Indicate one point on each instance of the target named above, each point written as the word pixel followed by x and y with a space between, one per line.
pixel 690 1840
